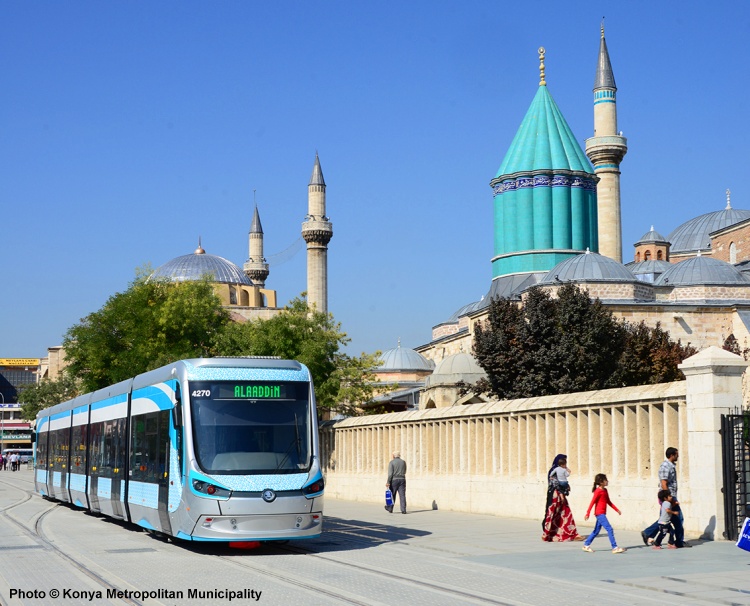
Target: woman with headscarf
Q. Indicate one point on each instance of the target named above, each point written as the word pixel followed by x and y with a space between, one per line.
pixel 558 524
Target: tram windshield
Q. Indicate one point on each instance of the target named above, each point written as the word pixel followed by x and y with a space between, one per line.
pixel 251 427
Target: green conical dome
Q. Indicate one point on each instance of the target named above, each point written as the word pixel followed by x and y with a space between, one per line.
pixel 545 194
pixel 544 141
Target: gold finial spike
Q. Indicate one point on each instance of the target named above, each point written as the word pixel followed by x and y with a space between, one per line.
pixel 199 250
pixel 729 202
pixel 602 27
pixel 542 81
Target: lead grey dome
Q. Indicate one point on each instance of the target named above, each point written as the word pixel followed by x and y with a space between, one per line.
pixel 458 368
pixel 460 363
pixel 701 270
pixel 652 236
pixel 199 264
pixel 693 235
pixel 403 358
pixel 588 267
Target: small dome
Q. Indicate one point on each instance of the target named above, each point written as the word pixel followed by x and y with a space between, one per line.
pixel 460 363
pixel 403 358
pixel 652 236
pixel 199 264
pixel 588 267
pixel 693 235
pixel 455 369
pixel 466 309
pixel 652 266
pixel 701 270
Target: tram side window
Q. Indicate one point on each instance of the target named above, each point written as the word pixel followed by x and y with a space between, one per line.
pixel 41 450
pixel 96 448
pixel 59 439
pixel 78 449
pixel 107 447
pixel 150 439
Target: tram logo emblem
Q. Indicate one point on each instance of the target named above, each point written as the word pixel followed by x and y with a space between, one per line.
pixel 268 495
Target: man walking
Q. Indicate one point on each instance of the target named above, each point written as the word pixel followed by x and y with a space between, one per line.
pixel 668 481
pixel 397 481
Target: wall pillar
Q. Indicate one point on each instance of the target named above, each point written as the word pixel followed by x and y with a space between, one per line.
pixel 714 388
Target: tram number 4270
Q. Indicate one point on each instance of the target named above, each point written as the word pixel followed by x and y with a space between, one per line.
pixel 201 393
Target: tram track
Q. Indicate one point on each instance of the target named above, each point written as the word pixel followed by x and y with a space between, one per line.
pixel 38 535
pixel 441 590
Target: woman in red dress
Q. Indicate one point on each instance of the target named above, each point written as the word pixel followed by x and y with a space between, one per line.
pixel 558 524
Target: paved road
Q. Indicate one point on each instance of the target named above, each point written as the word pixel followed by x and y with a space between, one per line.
pixel 365 556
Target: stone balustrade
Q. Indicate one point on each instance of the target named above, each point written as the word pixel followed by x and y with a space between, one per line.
pixel 493 458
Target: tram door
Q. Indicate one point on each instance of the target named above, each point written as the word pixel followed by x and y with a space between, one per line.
pixel 148 481
pixel 58 457
pixel 41 470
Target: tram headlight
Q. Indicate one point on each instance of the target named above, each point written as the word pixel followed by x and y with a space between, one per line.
pixel 208 489
pixel 314 488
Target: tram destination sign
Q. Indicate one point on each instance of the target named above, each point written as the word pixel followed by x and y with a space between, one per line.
pixel 244 391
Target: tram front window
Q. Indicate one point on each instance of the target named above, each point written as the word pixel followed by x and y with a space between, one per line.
pixel 251 427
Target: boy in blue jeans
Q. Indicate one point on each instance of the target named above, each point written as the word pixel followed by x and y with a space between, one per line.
pixel 668 502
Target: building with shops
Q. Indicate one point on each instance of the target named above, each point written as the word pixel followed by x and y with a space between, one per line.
pixel 15 373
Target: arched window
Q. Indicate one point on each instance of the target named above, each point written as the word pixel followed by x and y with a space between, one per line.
pixel 732 253
pixel 637 257
pixel 647 255
pixel 658 255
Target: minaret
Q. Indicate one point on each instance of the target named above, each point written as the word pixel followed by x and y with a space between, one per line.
pixel 606 150
pixel 256 267
pixel 317 232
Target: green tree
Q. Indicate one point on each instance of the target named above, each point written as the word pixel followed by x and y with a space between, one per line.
pixel 567 344
pixel 46 393
pixel 342 382
pixel 151 324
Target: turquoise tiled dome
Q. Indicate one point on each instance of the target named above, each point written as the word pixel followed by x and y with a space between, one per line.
pixel 544 141
pixel 544 195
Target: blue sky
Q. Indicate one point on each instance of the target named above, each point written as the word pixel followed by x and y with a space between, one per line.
pixel 129 129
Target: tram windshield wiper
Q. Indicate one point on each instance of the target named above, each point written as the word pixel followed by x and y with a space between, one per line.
pixel 296 441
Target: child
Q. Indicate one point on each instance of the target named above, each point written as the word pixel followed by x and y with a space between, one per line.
pixel 561 473
pixel 601 500
pixel 668 509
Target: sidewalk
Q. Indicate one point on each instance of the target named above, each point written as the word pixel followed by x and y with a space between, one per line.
pixel 711 572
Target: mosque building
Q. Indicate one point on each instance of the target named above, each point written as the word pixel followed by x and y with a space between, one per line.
pixel 557 220
pixel 243 291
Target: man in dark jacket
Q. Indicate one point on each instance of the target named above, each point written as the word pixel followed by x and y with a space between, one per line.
pixel 397 481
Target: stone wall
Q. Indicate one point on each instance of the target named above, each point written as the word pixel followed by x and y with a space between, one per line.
pixel 493 458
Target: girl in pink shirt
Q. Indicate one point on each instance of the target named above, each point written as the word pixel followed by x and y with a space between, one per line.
pixel 599 502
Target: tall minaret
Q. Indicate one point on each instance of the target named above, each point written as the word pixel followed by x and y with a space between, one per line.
pixel 317 232
pixel 256 267
pixel 606 150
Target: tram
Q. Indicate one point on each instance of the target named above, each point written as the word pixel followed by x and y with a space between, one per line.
pixel 210 449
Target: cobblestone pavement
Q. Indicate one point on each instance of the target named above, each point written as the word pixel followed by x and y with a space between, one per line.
pixel 365 556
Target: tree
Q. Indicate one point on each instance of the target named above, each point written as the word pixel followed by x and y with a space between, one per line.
pixel 151 324
pixel 46 393
pixel 650 356
pixel 342 382
pixel 567 344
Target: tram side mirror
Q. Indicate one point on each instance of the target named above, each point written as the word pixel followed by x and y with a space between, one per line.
pixel 177 410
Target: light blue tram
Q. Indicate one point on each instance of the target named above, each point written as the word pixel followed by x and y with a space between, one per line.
pixel 210 449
